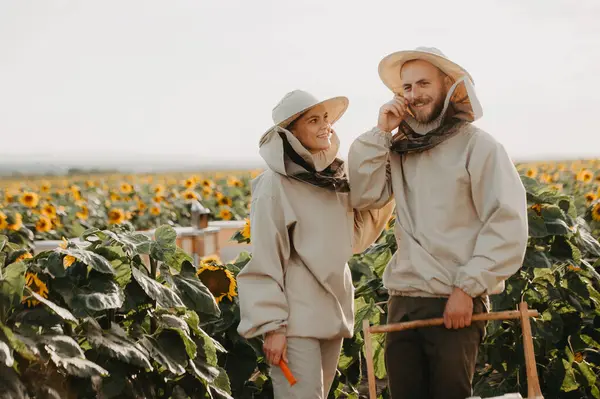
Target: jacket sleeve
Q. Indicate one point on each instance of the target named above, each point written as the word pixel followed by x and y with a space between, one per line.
pixel 369 224
pixel 500 200
pixel 369 170
pixel 261 288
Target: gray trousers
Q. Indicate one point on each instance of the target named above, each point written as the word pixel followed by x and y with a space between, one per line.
pixel 313 363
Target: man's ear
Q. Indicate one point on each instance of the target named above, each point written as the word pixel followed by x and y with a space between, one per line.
pixel 448 82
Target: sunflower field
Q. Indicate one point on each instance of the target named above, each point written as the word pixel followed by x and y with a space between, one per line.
pixel 119 314
pixel 65 206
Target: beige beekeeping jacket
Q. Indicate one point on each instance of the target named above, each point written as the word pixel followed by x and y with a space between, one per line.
pixel 461 207
pixel 302 236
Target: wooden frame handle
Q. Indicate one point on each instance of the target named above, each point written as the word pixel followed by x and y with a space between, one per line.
pixel 523 314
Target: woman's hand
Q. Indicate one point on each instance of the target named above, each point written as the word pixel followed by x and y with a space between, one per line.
pixel 275 347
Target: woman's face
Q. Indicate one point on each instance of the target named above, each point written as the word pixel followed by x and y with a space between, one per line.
pixel 313 129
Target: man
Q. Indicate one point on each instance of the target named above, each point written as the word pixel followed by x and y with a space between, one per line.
pixel 461 224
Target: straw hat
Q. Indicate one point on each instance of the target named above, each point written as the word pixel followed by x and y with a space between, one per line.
pixel 296 102
pixel 391 65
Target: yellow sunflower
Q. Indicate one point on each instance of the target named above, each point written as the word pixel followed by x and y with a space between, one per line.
pixel 45 187
pixel 190 195
pixel 225 214
pixel 84 213
pixel 43 225
pixel 49 210
pixel 26 255
pixel 219 281
pixel 126 188
pixel 531 172
pixel 590 197
pixel 596 212
pixel 17 224
pixel 189 184
pixel 37 286
pixel 537 208
pixel 226 201
pixel 207 183
pixel 159 189
pixel 234 182
pixel 29 199
pixel 155 210
pixel 585 175
pixel 116 216
pixel 206 190
pixel 3 221
pixel 246 229
pixel 68 261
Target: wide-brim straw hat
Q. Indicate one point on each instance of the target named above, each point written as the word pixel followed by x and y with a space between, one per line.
pixel 391 65
pixel 297 102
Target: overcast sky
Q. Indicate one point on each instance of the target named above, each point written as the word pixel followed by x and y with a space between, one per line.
pixel 200 78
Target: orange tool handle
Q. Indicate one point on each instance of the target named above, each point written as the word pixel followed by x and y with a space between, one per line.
pixel 286 371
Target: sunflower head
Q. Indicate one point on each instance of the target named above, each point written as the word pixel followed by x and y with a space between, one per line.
pixel 225 214
pixel 225 201
pixel 43 225
pixel 596 212
pixel 189 183
pixel 29 199
pixel 3 221
pixel 49 210
pixel 116 216
pixel 190 195
pixel 246 229
pixel 585 176
pixel 219 281
pixel 590 197
pixel 155 210
pixel 531 172
pixel 36 285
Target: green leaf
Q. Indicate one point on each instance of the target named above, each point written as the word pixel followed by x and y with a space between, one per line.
pixel 164 296
pixel 90 259
pixel 165 236
pixel 100 293
pixel 17 344
pixel 177 258
pixel 555 220
pixel 569 382
pixel 195 295
pixel 11 287
pixel 62 345
pixel 55 265
pixel 117 345
pixel 60 311
pixel 123 271
pixel 363 311
pixel 11 386
pixel 76 366
pixel 180 327
pixel 221 385
pixel 167 350
pixel 537 226
pixel 381 262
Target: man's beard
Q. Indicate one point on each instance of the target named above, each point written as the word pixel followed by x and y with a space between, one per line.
pixel 421 117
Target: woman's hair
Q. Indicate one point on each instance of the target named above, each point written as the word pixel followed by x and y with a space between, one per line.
pixel 290 125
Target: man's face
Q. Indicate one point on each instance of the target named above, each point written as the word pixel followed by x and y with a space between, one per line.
pixel 425 87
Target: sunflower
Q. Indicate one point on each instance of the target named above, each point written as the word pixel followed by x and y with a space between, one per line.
pixel 159 189
pixel 189 184
pixel 234 182
pixel 126 188
pixel 207 183
pixel 590 197
pixel 206 190
pixel 190 195
pixel 26 255
pixel 225 214
pixel 115 197
pixel 531 172
pixel 3 221
pixel 49 210
pixel 43 225
pixel 45 187
pixel 37 286
pixel 211 259
pixel 116 216
pixel 537 208
pixel 246 229
pixel 219 281
pixel 29 199
pixel 585 175
pixel 90 184
pixel 596 212
pixel 225 201
pixel 17 224
pixel 84 213
pixel 76 192
pixel 68 260
pixel 578 357
pixel 557 187
pixel 155 210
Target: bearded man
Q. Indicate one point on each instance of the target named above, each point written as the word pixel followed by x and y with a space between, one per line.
pixel 461 219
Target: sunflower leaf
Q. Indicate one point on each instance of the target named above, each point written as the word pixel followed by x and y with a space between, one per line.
pixel 99 293
pixel 62 312
pixel 195 295
pixel 89 258
pixel 116 344
pixel 11 287
pixel 168 350
pixel 76 366
pixel 164 296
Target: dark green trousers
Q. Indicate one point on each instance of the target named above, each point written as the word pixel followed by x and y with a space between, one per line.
pixel 431 362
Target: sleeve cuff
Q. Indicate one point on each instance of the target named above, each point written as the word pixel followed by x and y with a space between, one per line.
pixel 383 138
pixel 469 285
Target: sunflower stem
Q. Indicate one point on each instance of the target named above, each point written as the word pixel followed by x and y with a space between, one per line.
pixel 153 269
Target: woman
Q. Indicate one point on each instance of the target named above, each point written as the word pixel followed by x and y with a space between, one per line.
pixel 297 290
